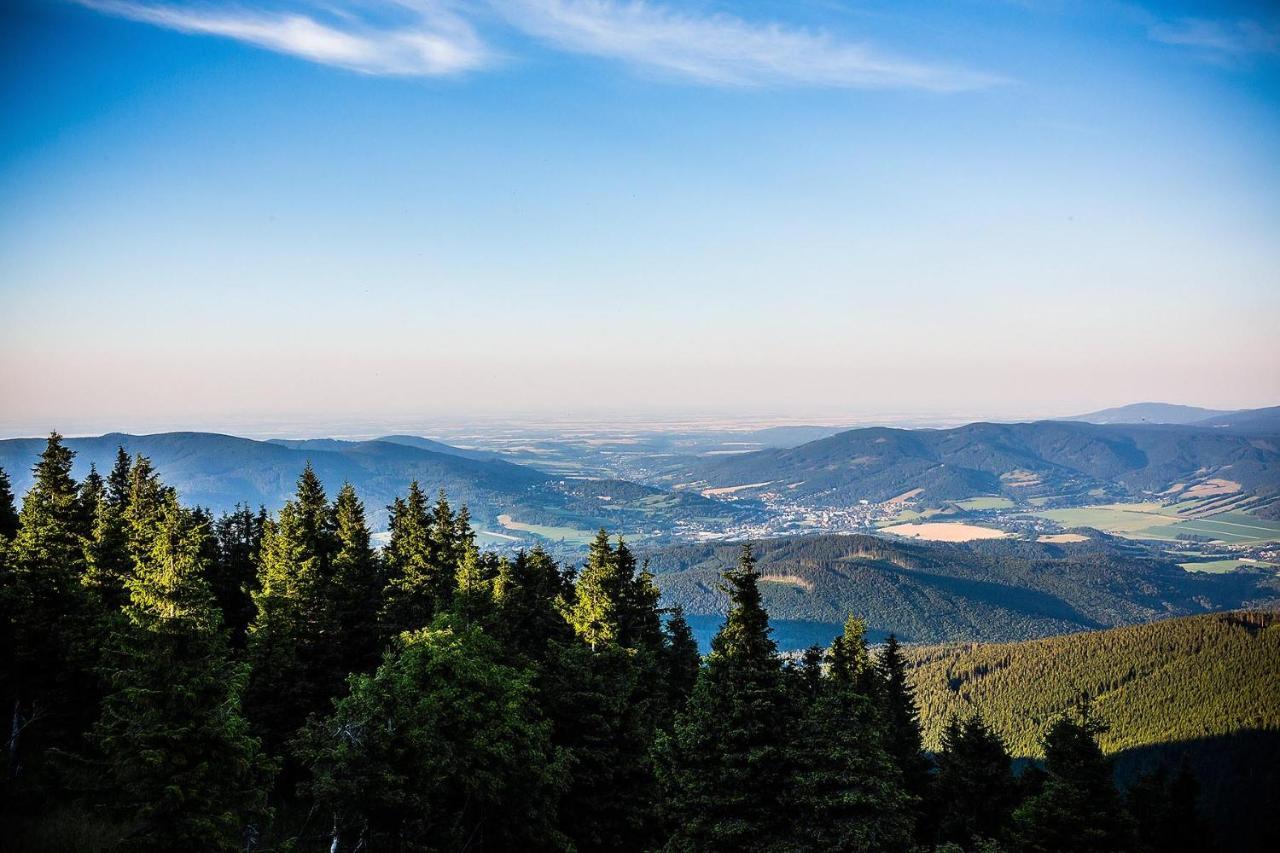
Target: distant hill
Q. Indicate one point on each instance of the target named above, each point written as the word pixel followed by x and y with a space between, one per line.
pixel 933 592
pixel 1205 688
pixel 1058 459
pixel 1248 422
pixel 217 471
pixel 1150 413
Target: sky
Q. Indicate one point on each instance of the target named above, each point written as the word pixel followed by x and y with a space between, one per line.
pixel 234 212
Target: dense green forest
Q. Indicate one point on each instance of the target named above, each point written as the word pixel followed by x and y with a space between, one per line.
pixel 1204 689
pixel 936 592
pixel 177 681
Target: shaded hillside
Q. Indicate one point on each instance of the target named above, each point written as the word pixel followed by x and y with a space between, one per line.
pixel 1205 687
pixel 1248 422
pixel 218 471
pixel 1055 459
pixel 1004 590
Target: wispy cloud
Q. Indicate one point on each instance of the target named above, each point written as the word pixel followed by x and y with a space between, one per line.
pixel 433 41
pixel 439 37
pixel 1236 38
pixel 725 50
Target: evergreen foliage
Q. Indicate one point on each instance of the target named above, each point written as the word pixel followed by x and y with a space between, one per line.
pixel 520 704
pixel 725 761
pixel 380 772
pixel 8 510
pixel 187 773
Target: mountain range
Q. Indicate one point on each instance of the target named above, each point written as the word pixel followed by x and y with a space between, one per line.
pixel 1059 460
pixel 218 471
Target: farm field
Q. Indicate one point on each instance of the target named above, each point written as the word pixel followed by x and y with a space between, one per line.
pixel 570 535
pixel 944 531
pixel 986 502
pixel 1223 566
pixel 1154 521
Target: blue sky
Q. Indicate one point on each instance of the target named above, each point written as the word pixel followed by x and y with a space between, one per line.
pixel 212 212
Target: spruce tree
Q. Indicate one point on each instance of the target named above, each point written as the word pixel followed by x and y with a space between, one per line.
pixel 414 566
pixel 1078 810
pixel 51 689
pixel 120 477
pixel 233 576
pixel 975 792
pixel 682 661
pixel 610 803
pixel 902 720
pixel 8 510
pixel 187 774
pixel 844 791
pixel 356 586
pixel 532 591
pixel 724 765
pixel 293 646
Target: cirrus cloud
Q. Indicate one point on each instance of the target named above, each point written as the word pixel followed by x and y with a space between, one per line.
pixel 439 37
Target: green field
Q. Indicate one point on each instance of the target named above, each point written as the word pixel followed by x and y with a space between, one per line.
pixel 987 502
pixel 1222 566
pixel 570 535
pixel 1154 521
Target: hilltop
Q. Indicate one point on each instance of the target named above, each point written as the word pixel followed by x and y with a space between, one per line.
pixel 1058 461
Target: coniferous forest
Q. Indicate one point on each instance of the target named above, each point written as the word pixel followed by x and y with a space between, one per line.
pixel 175 681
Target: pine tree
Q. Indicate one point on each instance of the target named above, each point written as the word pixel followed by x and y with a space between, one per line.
pixel 724 764
pixel 975 791
pixel 51 687
pixel 610 803
pixel 1078 810
pixel 598 594
pixel 844 791
pixel 902 720
pixel 187 774
pixel 682 662
pixel 414 565
pixel 532 592
pixel 441 749
pixel 233 576
pixel 119 479
pixel 356 586
pixel 293 646
pixel 8 511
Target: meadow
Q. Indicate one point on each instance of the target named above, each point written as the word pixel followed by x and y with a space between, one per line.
pixel 1159 522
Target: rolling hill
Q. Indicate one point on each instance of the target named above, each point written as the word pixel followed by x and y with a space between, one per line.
pixel 1150 413
pixel 219 471
pixel 1050 460
pixel 1205 689
pixel 993 591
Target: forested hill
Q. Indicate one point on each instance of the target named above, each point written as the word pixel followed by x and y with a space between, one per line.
pixel 1207 687
pixel 219 471
pixel 1020 461
pixel 934 592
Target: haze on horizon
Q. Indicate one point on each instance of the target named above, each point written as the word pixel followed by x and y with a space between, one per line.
pixel 298 212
